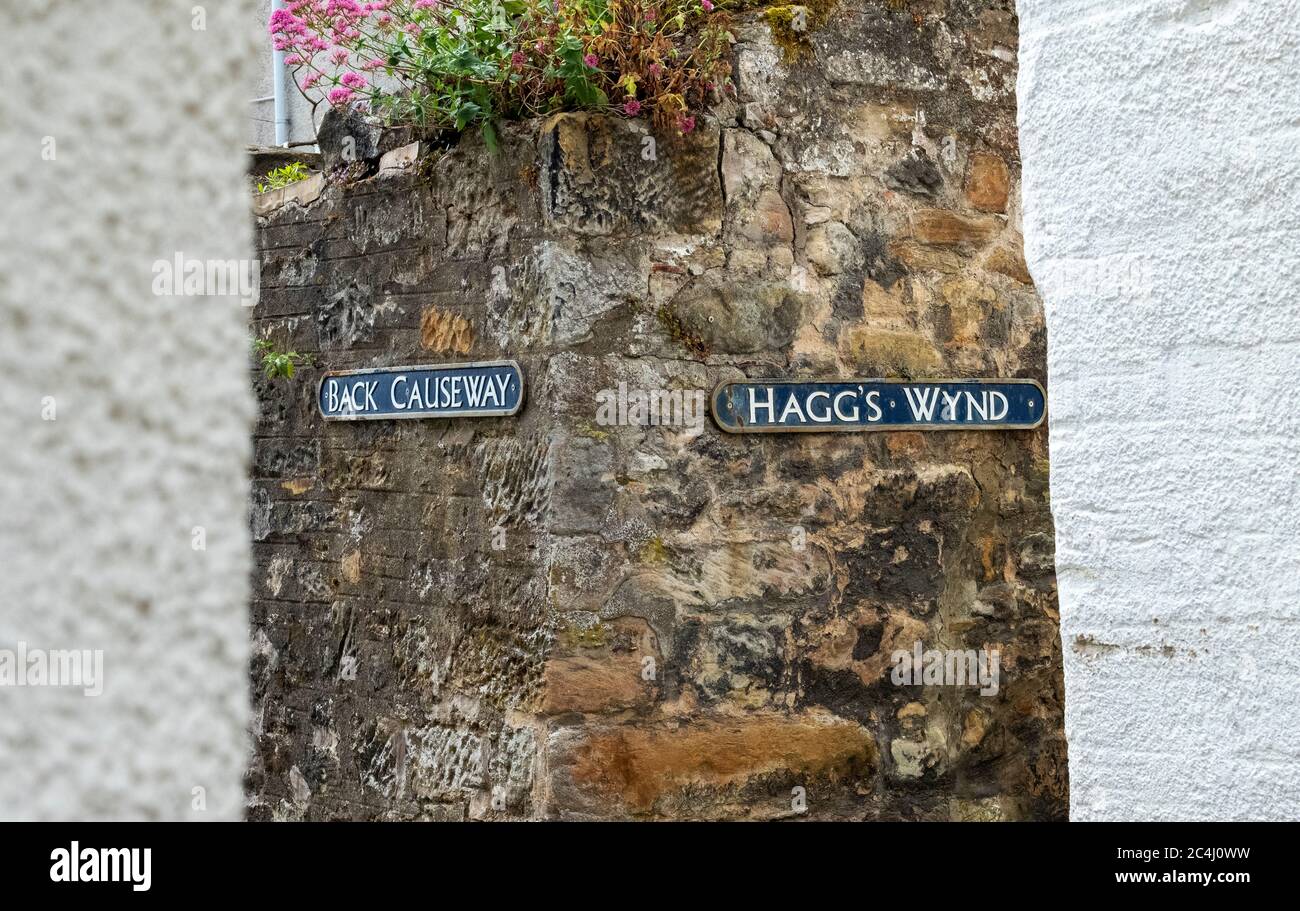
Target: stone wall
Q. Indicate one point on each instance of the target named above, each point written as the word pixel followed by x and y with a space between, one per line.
pixel 681 623
pixel 1162 207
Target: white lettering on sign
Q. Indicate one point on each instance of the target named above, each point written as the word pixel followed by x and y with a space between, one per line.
pixel 787 405
pixel 474 390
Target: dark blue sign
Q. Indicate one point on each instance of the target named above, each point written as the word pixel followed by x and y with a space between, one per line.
pixel 484 389
pixel 775 406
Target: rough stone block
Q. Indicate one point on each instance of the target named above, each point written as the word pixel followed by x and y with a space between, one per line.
pixel 605 175
pixel 988 182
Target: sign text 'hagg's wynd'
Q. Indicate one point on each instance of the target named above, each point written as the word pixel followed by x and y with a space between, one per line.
pixel 774 406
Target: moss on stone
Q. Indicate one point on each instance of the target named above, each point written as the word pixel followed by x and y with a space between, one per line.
pixel 792 26
pixel 653 552
pixel 679 332
pixel 587 429
pixel 575 637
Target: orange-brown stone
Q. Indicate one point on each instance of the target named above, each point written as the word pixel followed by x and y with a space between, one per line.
pixel 443 331
pixel 639 765
pixel 988 181
pixel 586 683
pixel 942 228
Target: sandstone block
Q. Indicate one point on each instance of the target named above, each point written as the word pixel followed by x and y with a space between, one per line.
pixel 580 683
pixel 942 228
pixel 1009 262
pixel 398 160
pixel 640 767
pixel 303 192
pixel 831 247
pixel 445 331
pixel 891 353
pixel 988 181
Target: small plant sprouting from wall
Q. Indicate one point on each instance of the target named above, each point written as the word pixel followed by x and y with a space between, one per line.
pixel 453 64
pixel 279 364
pixel 277 178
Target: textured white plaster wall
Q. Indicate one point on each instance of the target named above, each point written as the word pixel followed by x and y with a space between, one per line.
pixel 1162 224
pixel 148 119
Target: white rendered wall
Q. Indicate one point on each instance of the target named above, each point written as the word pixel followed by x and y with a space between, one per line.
pixel 147 118
pixel 1162 224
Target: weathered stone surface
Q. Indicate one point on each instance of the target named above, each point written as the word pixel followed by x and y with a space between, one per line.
pixel 892 354
pixel 758 215
pixel 348 135
pixel 831 248
pixel 988 182
pixel 559 616
pixel 950 229
pixel 442 331
pixel 603 176
pixel 602 668
pixel 586 684
pixel 641 769
pixel 915 174
pixel 738 319
pixel 303 192
pixel 1009 261
pixel 399 159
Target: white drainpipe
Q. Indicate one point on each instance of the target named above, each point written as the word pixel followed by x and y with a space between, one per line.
pixel 277 87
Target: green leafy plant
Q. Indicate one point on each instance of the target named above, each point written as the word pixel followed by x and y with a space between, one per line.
pixel 279 363
pixel 453 64
pixel 283 176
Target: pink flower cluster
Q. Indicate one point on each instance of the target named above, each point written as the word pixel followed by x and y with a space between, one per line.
pixel 340 48
pixel 324 36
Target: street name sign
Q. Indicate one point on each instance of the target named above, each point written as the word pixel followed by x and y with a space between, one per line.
pixel 482 389
pixel 785 406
